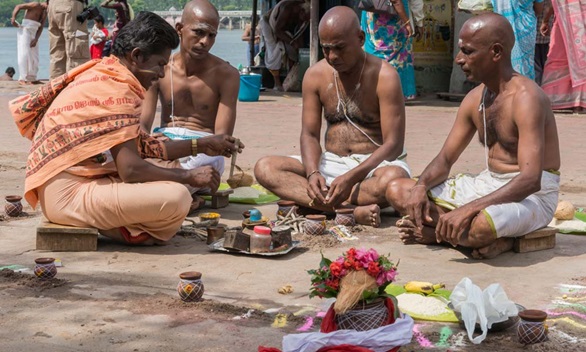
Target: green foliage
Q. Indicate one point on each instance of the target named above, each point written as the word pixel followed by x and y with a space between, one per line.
pixel 6 7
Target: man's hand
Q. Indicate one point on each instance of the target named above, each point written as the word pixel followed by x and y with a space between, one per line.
pixel 34 42
pixel 418 33
pixel 316 188
pixel 220 144
pixel 451 226
pixel 418 206
pixel 340 190
pixel 544 28
pixel 14 23
pixel 204 177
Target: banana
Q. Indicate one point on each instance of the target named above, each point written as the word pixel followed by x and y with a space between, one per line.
pixel 422 287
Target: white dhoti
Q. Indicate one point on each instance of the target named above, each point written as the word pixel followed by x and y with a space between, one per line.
pixel 274 48
pixel 28 58
pixel 199 160
pixel 509 219
pixel 332 165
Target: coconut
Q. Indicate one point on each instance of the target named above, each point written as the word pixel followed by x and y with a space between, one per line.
pixel 351 288
pixel 241 179
pixel 564 211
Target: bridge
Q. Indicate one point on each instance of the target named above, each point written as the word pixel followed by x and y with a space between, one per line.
pixel 228 19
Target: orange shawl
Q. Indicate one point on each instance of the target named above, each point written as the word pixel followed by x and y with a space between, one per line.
pixel 85 112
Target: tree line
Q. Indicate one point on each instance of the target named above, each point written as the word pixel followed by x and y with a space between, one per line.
pixel 7 6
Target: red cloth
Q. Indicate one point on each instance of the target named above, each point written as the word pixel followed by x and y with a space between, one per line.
pixel 97 49
pixel 328 324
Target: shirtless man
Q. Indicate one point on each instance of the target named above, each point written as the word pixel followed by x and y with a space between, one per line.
pixel 199 92
pixel 29 32
pixel 360 96
pixel 518 191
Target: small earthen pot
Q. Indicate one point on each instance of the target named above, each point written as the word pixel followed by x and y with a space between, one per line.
pixel 345 217
pixel 314 225
pixel 45 268
pixel 285 207
pixel 215 233
pixel 13 206
pixel 246 214
pixel 531 328
pixel 190 287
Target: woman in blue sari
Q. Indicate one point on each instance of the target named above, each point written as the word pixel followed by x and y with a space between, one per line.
pixel 389 37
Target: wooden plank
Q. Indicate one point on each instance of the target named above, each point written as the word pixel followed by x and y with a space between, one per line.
pixel 536 241
pixel 221 198
pixel 54 237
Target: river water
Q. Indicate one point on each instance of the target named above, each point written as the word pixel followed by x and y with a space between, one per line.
pixel 228 46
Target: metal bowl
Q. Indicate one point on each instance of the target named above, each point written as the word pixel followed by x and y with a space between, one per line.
pixel 503 325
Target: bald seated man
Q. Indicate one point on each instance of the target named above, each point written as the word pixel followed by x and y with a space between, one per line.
pixel 199 92
pixel 517 193
pixel 361 100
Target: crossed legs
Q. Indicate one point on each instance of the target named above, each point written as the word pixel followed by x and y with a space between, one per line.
pixel 285 177
pixel 479 237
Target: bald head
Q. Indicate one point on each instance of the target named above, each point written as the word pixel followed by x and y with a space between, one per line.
pixel 488 29
pixel 340 20
pixel 198 11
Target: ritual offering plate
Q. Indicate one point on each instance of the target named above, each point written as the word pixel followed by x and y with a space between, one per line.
pixel 503 325
pixel 219 247
pixel 249 224
pixel 213 218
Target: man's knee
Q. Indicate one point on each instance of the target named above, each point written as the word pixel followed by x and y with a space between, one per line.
pixel 481 233
pixel 177 201
pixel 397 192
pixel 264 168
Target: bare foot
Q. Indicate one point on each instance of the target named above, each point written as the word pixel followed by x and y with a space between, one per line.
pixel 408 235
pixel 22 83
pixel 367 215
pixel 499 246
pixel 196 204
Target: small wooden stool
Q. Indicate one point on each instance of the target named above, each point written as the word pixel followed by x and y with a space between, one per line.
pixel 538 240
pixel 61 238
pixel 220 199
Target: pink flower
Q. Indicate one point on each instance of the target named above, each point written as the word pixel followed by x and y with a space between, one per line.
pixel 385 277
pixel 365 257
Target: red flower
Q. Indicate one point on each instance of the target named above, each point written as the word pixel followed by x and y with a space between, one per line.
pixel 351 254
pixel 373 269
pixel 335 284
pixel 349 264
pixel 336 269
pixel 357 266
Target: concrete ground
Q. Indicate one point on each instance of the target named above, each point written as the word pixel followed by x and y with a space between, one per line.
pixel 123 298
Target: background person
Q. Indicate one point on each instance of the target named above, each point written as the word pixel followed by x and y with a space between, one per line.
pixel 68 38
pixel 98 38
pixel 29 32
pixel 564 77
pixel 122 14
pixel 246 38
pixel 388 37
pixel 8 74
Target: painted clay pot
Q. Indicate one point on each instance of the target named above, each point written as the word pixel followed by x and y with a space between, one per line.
pixel 531 328
pixel 314 225
pixel 285 206
pixel 13 206
pixel 45 268
pixel 190 287
pixel 363 316
pixel 345 217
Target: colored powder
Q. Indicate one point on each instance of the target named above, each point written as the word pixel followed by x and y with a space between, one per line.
pixel 445 334
pixel 308 324
pixel 422 340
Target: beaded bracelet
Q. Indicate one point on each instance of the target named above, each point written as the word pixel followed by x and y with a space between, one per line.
pixel 313 173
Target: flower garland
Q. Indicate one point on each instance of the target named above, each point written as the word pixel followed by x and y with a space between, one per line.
pixel 325 281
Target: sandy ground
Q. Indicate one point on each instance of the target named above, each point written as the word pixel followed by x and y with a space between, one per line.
pixel 123 298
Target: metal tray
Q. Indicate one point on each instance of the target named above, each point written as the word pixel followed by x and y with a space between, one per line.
pixel 218 246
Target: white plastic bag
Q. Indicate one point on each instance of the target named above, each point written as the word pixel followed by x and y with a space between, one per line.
pixel 475 6
pixel 485 308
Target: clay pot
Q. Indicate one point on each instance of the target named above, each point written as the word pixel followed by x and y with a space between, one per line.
pixel 363 316
pixel 314 225
pixel 285 207
pixel 345 217
pixel 13 206
pixel 531 327
pixel 246 214
pixel 190 287
pixel 45 268
pixel 215 233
